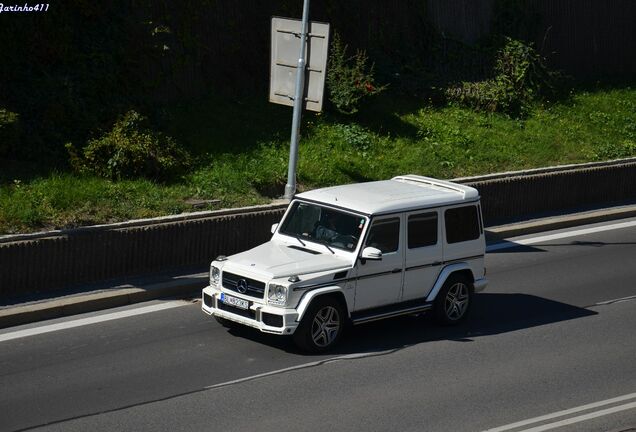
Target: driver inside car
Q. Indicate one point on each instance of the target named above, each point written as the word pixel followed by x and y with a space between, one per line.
pixel 326 229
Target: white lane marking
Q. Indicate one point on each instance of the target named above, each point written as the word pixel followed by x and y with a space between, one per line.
pixel 567 412
pixel 581 418
pixel 618 300
pixel 92 320
pixel 549 237
pixel 302 366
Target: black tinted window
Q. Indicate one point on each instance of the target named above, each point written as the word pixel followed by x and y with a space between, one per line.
pixel 462 224
pixel 422 230
pixel 385 235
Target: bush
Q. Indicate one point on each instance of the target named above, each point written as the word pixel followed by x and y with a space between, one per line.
pixel 521 78
pixel 131 150
pixel 349 79
pixel 9 133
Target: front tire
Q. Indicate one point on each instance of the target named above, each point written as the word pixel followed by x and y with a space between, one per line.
pixel 321 327
pixel 453 301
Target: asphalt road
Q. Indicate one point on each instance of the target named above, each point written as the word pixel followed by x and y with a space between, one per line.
pixel 545 337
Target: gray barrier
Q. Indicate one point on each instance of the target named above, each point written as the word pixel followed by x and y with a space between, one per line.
pixel 78 256
pixel 517 196
pixel 36 263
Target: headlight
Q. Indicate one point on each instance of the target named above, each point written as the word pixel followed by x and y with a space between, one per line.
pixel 277 294
pixel 215 275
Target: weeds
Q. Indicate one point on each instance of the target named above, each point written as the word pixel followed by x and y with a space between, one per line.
pixel 521 78
pixel 131 150
pixel 349 79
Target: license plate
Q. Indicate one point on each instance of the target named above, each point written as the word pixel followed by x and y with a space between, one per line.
pixel 233 301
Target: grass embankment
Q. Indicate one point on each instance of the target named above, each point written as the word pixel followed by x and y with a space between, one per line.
pixel 242 151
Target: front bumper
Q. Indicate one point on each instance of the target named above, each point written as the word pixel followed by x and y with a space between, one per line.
pixel 255 317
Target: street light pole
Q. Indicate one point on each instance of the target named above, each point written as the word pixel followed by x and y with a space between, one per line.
pixel 299 98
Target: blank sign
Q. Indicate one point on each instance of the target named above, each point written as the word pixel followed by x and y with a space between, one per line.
pixel 284 62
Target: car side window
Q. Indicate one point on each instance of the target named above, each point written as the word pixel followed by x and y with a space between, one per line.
pixel 422 230
pixel 462 224
pixel 385 235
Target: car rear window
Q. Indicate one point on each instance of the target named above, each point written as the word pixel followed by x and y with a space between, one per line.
pixel 462 224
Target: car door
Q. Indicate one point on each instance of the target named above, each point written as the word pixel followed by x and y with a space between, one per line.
pixel 424 253
pixel 379 282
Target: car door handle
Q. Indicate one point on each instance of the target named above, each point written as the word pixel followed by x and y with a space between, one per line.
pixel 436 263
pixel 396 270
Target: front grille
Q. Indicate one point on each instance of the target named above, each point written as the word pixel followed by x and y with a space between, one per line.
pixel 247 313
pixel 254 288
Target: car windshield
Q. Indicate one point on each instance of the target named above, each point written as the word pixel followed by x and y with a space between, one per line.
pixel 308 221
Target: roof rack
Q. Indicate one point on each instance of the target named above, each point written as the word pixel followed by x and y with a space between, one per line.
pixel 433 182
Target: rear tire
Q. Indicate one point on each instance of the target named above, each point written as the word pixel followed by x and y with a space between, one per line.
pixel 453 301
pixel 321 327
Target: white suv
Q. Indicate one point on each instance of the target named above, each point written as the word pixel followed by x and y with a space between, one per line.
pixel 353 254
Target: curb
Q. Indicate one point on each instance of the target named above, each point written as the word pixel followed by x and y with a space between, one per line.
pixel 559 222
pixel 118 296
pixel 186 285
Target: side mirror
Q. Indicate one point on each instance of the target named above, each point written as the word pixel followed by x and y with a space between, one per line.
pixel 274 226
pixel 371 253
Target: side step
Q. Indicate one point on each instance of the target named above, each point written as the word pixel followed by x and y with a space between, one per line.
pixel 397 309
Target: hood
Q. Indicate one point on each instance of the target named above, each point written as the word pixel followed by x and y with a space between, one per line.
pixel 276 260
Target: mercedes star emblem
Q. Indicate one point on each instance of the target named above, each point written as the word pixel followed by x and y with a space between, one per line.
pixel 241 286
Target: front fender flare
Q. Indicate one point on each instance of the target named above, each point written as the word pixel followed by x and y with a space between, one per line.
pixel 306 300
pixel 444 274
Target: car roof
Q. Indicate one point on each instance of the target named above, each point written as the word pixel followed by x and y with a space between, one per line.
pixel 402 193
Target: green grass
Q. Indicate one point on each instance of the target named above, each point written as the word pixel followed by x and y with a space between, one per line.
pixel 65 200
pixel 242 149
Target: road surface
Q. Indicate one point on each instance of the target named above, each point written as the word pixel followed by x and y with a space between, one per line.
pixel 551 345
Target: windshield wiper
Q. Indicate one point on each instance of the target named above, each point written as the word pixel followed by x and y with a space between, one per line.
pixel 326 245
pixel 301 242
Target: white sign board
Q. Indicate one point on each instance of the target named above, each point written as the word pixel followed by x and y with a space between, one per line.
pixel 284 62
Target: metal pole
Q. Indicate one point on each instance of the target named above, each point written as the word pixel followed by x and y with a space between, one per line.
pixel 299 98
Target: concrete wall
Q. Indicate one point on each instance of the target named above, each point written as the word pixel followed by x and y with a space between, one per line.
pixel 516 196
pixel 40 264
pixel 36 263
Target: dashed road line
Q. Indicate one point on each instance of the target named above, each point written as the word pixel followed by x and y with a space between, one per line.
pixel 305 366
pixel 618 300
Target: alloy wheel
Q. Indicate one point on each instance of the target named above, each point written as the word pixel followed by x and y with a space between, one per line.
pixel 456 302
pixel 325 326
